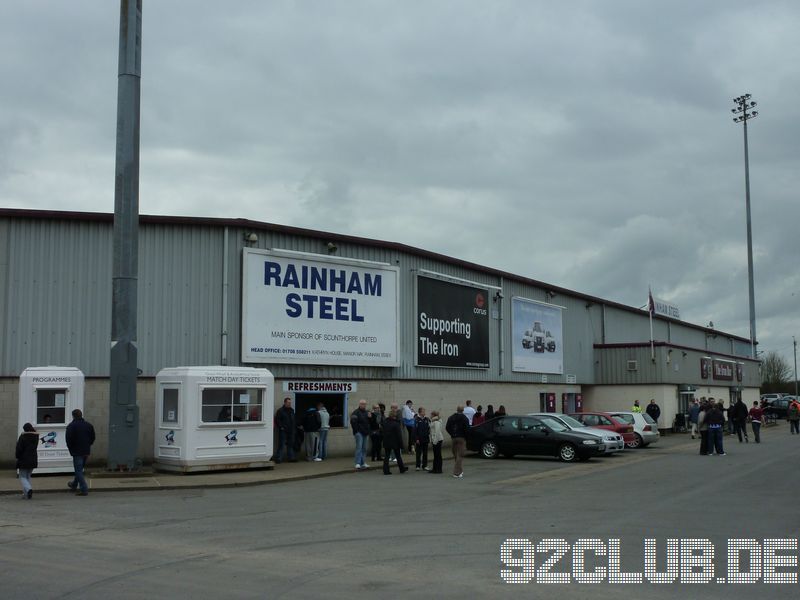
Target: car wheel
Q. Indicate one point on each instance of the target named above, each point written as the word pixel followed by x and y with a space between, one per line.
pixel 567 453
pixel 636 443
pixel 489 450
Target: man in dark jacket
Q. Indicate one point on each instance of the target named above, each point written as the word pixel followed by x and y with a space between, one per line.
pixel 654 410
pixel 359 422
pixel 716 421
pixel 457 426
pixel 740 413
pixel 80 437
pixel 27 455
pixel 284 421
pixel 422 435
pixel 392 440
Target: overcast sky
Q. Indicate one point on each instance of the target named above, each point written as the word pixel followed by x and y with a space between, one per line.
pixel 585 144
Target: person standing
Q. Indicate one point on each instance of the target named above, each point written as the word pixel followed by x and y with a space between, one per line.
pixel 27 456
pixel 285 422
pixel 437 439
pixel 457 426
pixel 756 414
pixel 80 437
pixel 740 420
pixel 489 412
pixel 408 421
pixel 479 418
pixel 375 427
pixel 311 425
pixel 501 412
pixel 422 433
pixel 392 441
pixel 716 422
pixel 654 410
pixel 359 422
pixel 469 412
pixel 793 416
pixel 702 425
pixel 694 413
pixel 636 408
pixel 324 428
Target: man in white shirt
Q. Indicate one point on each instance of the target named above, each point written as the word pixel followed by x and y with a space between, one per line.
pixel 408 421
pixel 469 412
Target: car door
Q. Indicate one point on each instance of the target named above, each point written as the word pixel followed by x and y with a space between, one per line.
pixel 503 434
pixel 534 436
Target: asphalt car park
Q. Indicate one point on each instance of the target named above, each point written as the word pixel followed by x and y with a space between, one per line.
pixel 364 535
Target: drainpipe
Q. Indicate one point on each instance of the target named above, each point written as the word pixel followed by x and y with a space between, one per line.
pixel 502 331
pixel 224 359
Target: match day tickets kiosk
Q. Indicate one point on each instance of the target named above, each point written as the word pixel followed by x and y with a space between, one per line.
pixel 213 418
pixel 47 397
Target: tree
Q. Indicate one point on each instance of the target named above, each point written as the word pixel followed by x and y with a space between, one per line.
pixel 775 370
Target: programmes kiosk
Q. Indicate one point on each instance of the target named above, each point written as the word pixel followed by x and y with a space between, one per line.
pixel 47 397
pixel 213 418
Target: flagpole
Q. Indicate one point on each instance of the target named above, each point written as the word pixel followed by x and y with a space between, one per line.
pixel 650 307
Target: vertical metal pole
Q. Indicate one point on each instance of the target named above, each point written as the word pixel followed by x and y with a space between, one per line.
pixel 749 246
pixel 123 414
pixel 794 343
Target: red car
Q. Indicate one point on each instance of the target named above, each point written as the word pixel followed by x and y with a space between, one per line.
pixel 603 420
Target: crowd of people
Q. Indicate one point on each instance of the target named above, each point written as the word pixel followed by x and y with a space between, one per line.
pixel 383 435
pixel 707 420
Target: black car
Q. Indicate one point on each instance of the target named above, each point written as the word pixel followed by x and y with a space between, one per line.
pixel 779 407
pixel 542 435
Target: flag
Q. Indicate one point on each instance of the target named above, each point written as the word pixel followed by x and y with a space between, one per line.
pixel 651 305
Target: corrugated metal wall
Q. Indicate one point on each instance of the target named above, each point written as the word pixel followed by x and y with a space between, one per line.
pixel 56 304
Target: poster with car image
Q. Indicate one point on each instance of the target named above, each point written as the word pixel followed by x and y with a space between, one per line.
pixel 536 337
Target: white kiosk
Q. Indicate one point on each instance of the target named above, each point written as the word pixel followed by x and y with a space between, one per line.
pixel 47 397
pixel 213 418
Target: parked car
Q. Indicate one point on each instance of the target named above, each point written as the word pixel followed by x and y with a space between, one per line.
pixel 612 441
pixel 770 397
pixel 603 420
pixel 644 428
pixel 779 406
pixel 512 435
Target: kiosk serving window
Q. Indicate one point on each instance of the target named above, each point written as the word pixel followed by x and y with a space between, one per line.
pixel 228 405
pixel 51 406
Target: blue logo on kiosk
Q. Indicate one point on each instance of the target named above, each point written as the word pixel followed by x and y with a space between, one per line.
pixel 170 437
pixel 231 437
pixel 49 439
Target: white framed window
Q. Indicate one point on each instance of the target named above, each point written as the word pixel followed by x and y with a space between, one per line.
pixel 232 405
pixel 51 406
pixel 170 415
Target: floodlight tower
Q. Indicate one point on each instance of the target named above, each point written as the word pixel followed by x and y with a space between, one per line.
pixel 744 112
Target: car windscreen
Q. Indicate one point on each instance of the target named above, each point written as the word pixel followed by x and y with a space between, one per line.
pixel 627 418
pixel 574 423
pixel 553 424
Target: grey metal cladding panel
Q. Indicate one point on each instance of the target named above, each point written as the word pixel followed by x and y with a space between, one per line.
pixel 180 296
pixel 5 260
pixel 624 327
pixel 613 365
pixel 59 309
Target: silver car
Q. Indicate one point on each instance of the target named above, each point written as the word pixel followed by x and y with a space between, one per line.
pixel 645 428
pixel 613 441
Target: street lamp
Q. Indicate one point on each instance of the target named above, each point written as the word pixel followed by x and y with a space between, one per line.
pixel 744 111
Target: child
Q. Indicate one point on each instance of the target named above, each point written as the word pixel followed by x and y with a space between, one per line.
pixel 27 458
